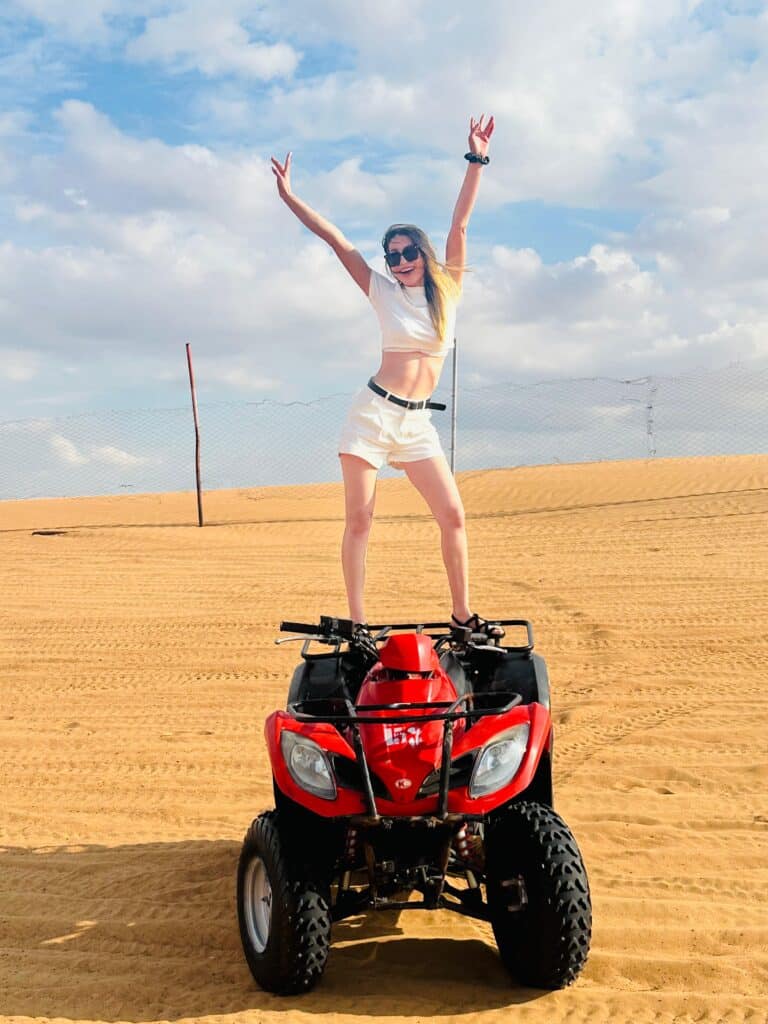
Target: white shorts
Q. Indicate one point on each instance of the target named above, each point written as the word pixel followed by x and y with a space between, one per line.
pixel 381 431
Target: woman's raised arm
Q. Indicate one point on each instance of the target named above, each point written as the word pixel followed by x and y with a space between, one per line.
pixel 347 253
pixel 456 243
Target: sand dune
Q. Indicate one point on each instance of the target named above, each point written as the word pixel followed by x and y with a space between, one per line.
pixel 138 666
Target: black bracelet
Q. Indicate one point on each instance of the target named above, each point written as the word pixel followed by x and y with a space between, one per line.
pixel 475 158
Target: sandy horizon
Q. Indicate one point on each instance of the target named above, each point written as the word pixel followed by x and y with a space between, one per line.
pixel 138 667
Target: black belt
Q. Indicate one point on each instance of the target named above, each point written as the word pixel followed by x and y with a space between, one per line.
pixel 406 403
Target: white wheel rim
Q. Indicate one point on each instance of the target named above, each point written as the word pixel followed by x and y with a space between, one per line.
pixel 257 900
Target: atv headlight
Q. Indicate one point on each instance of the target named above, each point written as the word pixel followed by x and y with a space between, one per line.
pixel 308 765
pixel 499 761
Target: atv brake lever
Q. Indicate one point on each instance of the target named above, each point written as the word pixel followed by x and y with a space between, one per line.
pixel 287 639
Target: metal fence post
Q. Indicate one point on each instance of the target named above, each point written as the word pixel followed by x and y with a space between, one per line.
pixel 197 437
pixel 649 425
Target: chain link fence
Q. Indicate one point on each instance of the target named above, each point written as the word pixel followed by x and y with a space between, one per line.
pixel 255 444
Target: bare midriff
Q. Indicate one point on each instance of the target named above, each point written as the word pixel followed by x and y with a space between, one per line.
pixel 409 374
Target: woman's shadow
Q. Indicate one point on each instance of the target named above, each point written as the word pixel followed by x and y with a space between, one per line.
pixel 137 933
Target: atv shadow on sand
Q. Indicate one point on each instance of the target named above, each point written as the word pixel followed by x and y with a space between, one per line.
pixel 136 933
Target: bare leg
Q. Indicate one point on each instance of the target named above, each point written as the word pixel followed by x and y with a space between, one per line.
pixel 359 499
pixel 434 481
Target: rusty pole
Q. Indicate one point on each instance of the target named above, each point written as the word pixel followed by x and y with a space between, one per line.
pixel 197 438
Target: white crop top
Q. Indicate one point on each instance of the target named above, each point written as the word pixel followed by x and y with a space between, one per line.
pixel 403 313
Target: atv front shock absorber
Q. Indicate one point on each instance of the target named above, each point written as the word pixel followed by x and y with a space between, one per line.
pixel 350 851
pixel 462 846
pixel 468 844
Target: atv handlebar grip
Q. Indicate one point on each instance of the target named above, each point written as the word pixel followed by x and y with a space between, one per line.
pixel 298 627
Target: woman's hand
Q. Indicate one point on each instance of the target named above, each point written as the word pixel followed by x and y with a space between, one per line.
pixel 283 174
pixel 479 137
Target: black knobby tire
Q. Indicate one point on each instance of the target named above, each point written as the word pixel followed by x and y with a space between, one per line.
pixel 545 943
pixel 287 953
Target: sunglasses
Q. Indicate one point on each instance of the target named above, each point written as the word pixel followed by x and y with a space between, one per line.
pixel 409 254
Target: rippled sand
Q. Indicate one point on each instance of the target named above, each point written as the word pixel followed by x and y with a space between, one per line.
pixel 137 667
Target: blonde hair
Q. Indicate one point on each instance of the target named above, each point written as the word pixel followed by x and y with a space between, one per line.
pixel 438 283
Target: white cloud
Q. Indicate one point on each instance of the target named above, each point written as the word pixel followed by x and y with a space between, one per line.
pixel 611 412
pixel 348 186
pixel 84 21
pixel 345 103
pixel 601 313
pixel 115 174
pixel 244 379
pixel 17 427
pixel 224 111
pixel 18 364
pixel 14 123
pixel 516 261
pixel 712 152
pixel 66 450
pixel 213 41
pixel 117 457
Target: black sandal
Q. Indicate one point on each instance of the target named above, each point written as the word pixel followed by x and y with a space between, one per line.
pixel 479 625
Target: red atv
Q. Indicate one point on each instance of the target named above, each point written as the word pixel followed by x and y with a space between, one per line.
pixel 417 762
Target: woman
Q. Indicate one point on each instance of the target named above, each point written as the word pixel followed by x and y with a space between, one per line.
pixel 390 419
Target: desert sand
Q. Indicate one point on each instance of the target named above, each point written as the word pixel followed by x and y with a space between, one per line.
pixel 138 665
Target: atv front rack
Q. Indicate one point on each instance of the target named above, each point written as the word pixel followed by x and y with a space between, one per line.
pixel 354 716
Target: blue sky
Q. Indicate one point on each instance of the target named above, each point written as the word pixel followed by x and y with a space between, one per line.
pixel 614 233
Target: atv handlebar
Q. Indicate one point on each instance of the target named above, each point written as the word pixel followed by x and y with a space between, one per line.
pixel 332 630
